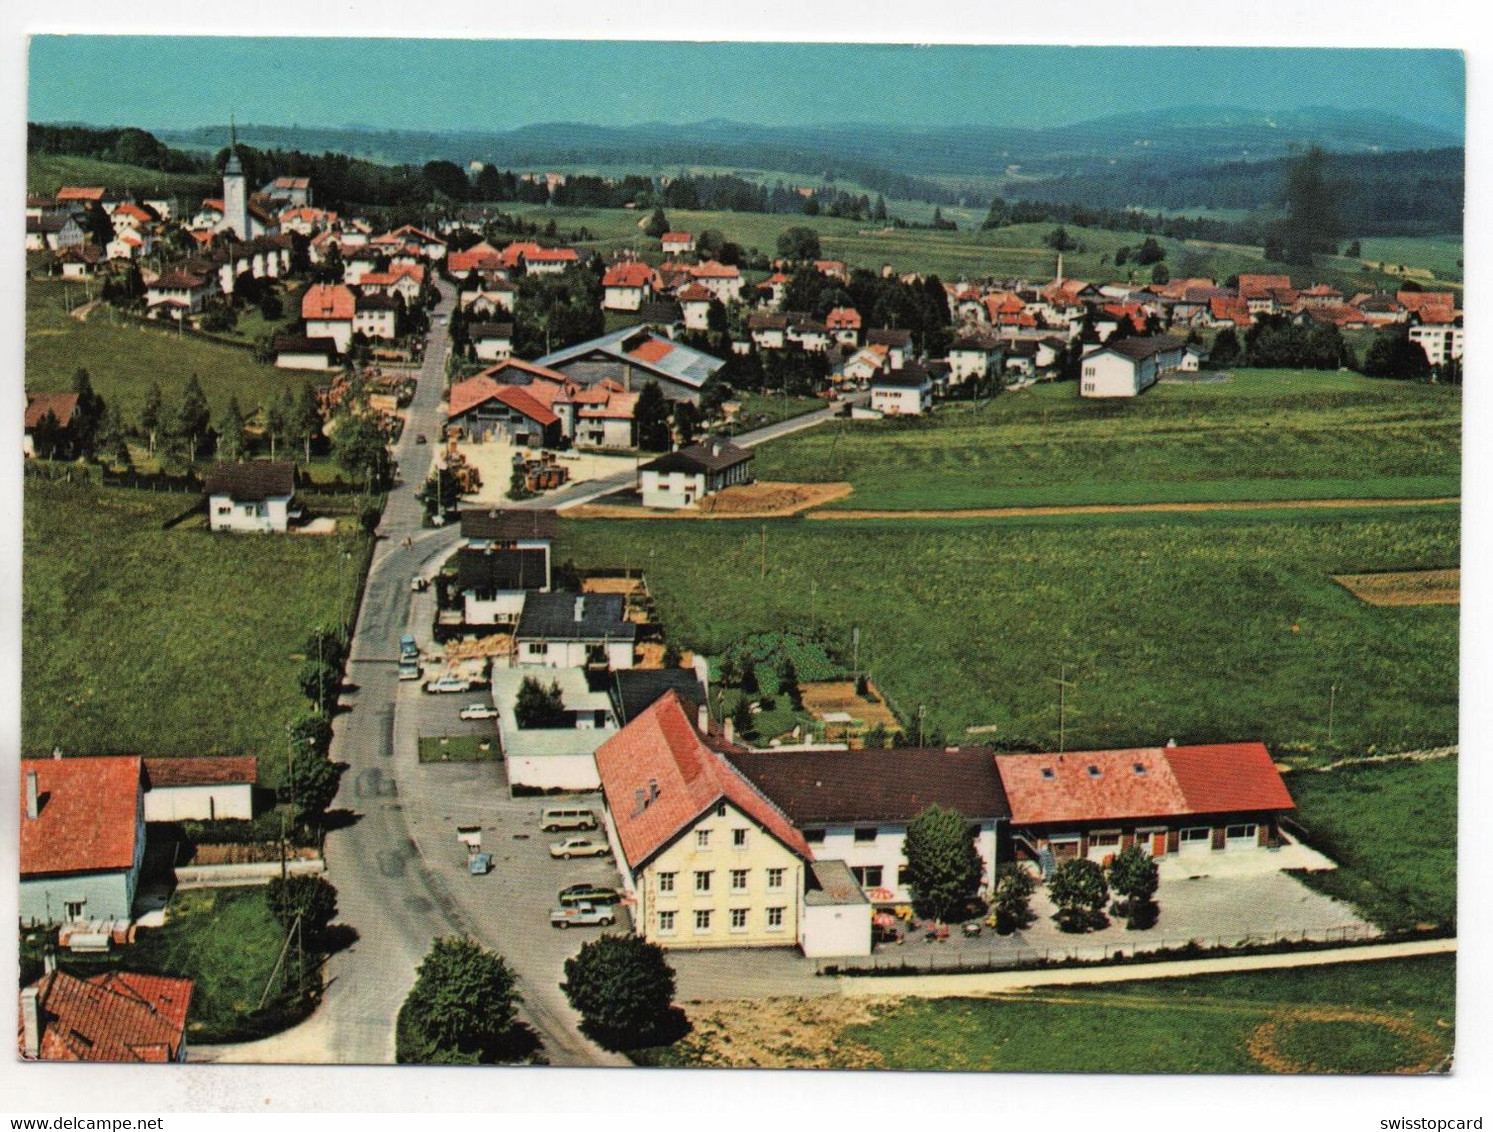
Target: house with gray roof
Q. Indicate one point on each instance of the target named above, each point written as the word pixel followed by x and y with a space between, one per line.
pixel 634 356
pixel 560 756
pixel 569 630
pixel 683 478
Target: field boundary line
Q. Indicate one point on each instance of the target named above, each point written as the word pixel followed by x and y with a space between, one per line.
pixel 999 982
pixel 1131 508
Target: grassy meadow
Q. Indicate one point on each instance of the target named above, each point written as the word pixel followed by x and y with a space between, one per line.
pixel 1266 434
pixel 123 358
pixel 165 642
pixel 1209 627
pixel 46 172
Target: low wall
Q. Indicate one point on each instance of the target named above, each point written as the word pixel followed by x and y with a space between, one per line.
pixel 227 876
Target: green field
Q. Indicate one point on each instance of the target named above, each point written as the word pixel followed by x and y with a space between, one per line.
pixel 758 409
pixel 1266 434
pixel 458 749
pixel 46 172
pixel 1443 255
pixel 1392 828
pixel 1215 627
pixel 154 642
pixel 123 358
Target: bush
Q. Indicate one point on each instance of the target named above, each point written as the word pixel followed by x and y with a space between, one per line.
pixel 1078 889
pixel 623 987
pixel 461 1008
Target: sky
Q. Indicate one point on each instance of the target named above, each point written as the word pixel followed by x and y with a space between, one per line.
pixel 177 82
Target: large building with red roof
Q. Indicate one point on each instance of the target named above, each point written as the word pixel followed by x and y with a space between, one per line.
pixel 1172 801
pixel 82 839
pixel 114 1016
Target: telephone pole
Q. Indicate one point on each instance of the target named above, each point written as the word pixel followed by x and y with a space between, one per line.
pixel 1063 686
pixel 1331 698
pixel 763 572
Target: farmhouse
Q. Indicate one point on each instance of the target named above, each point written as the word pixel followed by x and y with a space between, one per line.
pixel 491 341
pixel 561 754
pixel 677 243
pixel 328 310
pixel 256 495
pixel 49 416
pixel 484 410
pixel 566 630
pixel 635 355
pixel 855 806
pixel 82 839
pixel 1188 803
pixel 200 789
pixel 178 289
pixel 118 1016
pixel 707 859
pixel 682 478
pixel 1130 366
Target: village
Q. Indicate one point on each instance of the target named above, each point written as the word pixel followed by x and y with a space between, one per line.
pixel 515 728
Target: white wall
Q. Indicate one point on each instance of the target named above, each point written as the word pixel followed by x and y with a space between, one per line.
pixel 200 803
pixel 672 489
pixel 548 772
pixel 570 654
pixel 271 515
pixel 502 609
pixel 340 330
pixel 900 402
pixel 835 929
pixel 886 851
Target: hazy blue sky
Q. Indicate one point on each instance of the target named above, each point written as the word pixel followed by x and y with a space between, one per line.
pixel 475 84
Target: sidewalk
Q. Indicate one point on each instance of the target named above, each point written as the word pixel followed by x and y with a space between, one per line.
pixel 999 982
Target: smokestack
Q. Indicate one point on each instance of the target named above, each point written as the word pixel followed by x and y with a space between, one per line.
pixel 31 1022
pixel 33 798
pixel 702 719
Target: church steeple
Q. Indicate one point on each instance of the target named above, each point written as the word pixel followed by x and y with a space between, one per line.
pixel 233 165
pixel 235 190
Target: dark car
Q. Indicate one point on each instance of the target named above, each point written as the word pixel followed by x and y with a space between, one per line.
pixel 588 894
pixel 419 438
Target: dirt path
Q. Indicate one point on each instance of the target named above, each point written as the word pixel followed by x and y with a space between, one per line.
pixel 1395 757
pixel 82 313
pixel 1130 508
pixel 762 500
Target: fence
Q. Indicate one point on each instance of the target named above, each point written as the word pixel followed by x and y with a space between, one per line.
pixel 920 958
pixel 176 329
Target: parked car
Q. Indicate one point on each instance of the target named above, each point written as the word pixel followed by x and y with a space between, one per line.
pixel 588 894
pixel 408 670
pixel 449 683
pixel 553 818
pixel 479 864
pixel 581 914
pixel 478 711
pixel 419 438
pixel 579 847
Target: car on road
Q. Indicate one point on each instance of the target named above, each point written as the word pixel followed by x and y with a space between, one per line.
pixel 409 670
pixel 478 711
pixel 419 584
pixel 419 438
pixel 449 683
pixel 580 847
pixel 588 894
pixel 555 818
pixel 581 914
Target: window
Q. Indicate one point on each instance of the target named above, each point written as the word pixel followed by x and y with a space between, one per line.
pixel 702 839
pixel 738 880
pixel 666 923
pixel 813 836
pixel 903 873
pixel 1094 771
pixel 1240 832
pixel 720 811
pixel 775 919
pixel 738 919
pixel 865 833
pixel 1197 833
pixel 537 648
pixel 1088 371
pixel 1048 773
pixel 73 909
pixel 1106 838
pixel 867 876
pixel 702 921
pixel 775 878
pixel 666 882
pixel 738 838
pixel 702 881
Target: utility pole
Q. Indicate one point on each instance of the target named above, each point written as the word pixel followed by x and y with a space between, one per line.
pixel 1331 697
pixel 855 654
pixel 763 572
pixel 1063 686
pixel 920 724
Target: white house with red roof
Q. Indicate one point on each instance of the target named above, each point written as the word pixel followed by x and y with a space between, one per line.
pixel 694 303
pixel 549 261
pixel 328 310
pixel 721 280
pixel 626 286
pixel 845 324
pixel 82 839
pixel 677 243
pixel 119 1016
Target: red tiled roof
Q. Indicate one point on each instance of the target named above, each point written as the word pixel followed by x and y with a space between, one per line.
pixel 662 747
pixel 676 238
pixel 843 318
pixel 1170 781
pixel 115 1016
pixel 551 255
pixel 328 301
pixel 695 293
pixel 651 351
pixel 467 395
pixel 1260 286
pixel 516 251
pixel 713 270
pixel 88 815
pixel 80 192
pixel 629 274
pixel 207 770
pixel 1414 300
pixel 60 405
pixel 1235 310
pixel 544 373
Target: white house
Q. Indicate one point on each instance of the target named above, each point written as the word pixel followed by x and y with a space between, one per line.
pixel 201 789
pixel 493 582
pixel 561 756
pixel 721 280
pixel 976 356
pixel 1128 367
pixel 905 392
pixel 255 496
pixel 768 331
pixel 328 310
pixel 376 316
pixel 82 839
pixel 677 243
pixel 567 630
pixel 627 286
pixel 491 341
pixel 898 345
pixel 1441 341
pixel 694 302
pixel 178 288
pixel 683 478
pixel 299 352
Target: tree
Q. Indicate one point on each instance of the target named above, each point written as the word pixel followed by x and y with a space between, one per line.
pixel 799 243
pixel 90 414
pixel 305 424
pixel 1133 875
pixel 623 988
pixel 657 224
pixel 652 416
pixel 1225 351
pixel 742 719
pixel 1354 250
pixel 319 682
pixel 277 414
pixel 1013 893
pixel 1311 216
pixel 749 683
pixel 788 681
pixel 685 420
pixel 193 418
pixel 943 866
pixel 1150 252
pixel 232 439
pixel 309 898
pixel 539 707
pixel 362 451
pixel 1392 354
pixel 1059 240
pixel 314 779
pixel 1160 275
pixel 460 1009
pixel 151 415
pixel 113 437
pixel 879 212
pixel 1077 888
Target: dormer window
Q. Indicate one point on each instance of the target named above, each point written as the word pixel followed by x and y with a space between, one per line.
pixel 1140 768
pixel 1048 773
pixel 1094 771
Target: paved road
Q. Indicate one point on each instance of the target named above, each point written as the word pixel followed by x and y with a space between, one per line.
pixel 399 871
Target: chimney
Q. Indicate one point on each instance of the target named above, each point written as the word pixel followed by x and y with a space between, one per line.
pixel 652 789
pixel 33 798
pixel 639 801
pixel 627 377
pixel 702 720
pixel 730 730
pixel 31 1022
pixel 580 608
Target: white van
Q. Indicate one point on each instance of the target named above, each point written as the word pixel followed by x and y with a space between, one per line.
pixel 566 817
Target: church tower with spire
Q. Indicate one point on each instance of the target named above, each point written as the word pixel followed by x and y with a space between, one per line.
pixel 235 189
